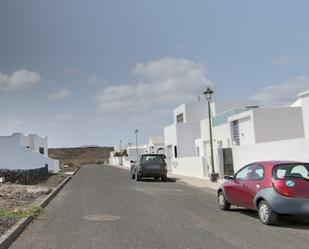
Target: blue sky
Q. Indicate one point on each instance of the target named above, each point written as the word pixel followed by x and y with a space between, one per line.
pixel 90 72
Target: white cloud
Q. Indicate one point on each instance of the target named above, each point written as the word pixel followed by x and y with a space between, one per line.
pixel 284 59
pixel 61 94
pixel 283 94
pixel 92 80
pixel 59 118
pixel 19 80
pixel 162 85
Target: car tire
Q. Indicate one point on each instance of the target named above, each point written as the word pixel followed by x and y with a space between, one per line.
pixel 156 178
pixel 222 202
pixel 163 178
pixel 266 214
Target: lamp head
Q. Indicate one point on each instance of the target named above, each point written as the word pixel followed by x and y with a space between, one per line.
pixel 208 93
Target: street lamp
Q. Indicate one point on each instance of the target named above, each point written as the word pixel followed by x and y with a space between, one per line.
pixel 208 93
pixel 136 133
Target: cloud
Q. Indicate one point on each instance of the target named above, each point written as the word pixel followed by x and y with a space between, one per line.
pixel 282 94
pixel 19 80
pixel 61 94
pixel 59 118
pixel 161 85
pixel 284 59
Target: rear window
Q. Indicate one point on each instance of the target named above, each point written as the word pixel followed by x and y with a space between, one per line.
pixel 152 159
pixel 291 170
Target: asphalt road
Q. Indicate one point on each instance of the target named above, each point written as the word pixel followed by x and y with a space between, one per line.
pixel 102 208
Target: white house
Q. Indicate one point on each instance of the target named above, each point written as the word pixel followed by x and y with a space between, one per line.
pixel 25 152
pixel 156 145
pixel 182 138
pixel 241 127
pixel 295 139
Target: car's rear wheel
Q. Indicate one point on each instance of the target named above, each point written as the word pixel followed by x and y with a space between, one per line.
pixel 222 202
pixel 156 178
pixel 266 214
pixel 163 178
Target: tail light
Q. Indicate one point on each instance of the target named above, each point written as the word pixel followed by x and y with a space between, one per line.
pixel 281 187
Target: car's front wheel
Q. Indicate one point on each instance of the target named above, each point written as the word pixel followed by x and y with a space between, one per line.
pixel 266 214
pixel 222 202
pixel 164 178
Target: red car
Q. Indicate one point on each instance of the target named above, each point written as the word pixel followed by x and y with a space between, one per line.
pixel 270 187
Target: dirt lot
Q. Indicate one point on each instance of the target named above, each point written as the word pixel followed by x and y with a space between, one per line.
pixel 74 157
pixel 16 201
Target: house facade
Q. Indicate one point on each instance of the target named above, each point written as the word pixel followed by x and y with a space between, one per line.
pixel 26 152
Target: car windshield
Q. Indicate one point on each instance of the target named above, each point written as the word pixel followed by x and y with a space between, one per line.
pixel 292 170
pixel 152 159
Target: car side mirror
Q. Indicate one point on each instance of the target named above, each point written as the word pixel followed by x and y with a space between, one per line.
pixel 228 177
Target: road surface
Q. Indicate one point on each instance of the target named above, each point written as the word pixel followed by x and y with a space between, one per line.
pixel 102 208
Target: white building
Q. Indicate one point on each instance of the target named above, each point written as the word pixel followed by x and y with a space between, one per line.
pixel 182 138
pixel 293 146
pixel 156 145
pixel 241 127
pixel 25 152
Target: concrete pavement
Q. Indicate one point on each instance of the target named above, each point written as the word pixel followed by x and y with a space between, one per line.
pixel 101 207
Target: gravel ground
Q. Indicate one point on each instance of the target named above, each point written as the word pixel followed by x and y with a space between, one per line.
pixel 21 197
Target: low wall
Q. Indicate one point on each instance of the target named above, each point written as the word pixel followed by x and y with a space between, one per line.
pixel 16 157
pixel 292 150
pixel 190 166
pixel 26 177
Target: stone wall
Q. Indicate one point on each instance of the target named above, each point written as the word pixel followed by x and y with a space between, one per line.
pixel 26 177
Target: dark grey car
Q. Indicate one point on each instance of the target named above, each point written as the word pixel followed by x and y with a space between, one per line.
pixel 149 165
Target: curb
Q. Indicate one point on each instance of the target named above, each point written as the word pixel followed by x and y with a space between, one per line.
pixel 13 233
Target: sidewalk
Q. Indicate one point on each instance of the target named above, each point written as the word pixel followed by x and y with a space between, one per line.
pixel 196 182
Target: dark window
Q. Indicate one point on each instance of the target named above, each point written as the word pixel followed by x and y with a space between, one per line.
pixel 152 159
pixel 179 118
pixel 41 150
pixel 236 137
pixel 175 151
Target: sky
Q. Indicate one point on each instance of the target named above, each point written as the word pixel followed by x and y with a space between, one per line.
pixel 91 72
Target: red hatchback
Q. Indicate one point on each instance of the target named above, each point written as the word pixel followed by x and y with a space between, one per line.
pixel 271 188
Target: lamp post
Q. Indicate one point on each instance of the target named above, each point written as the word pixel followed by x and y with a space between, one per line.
pixel 136 133
pixel 208 94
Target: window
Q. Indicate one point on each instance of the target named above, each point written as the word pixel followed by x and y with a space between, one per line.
pixel 41 150
pixel 152 159
pixel 291 170
pixel 258 173
pixel 175 151
pixel 179 118
pixel 235 131
pixel 245 173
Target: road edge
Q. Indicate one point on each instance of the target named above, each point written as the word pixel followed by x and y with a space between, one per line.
pixel 15 231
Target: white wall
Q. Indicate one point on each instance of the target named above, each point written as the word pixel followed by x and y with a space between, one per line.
pixel 273 124
pixel 186 135
pixel 292 149
pixel 190 166
pixel 170 135
pixel 132 152
pixel 16 156
pixel 304 98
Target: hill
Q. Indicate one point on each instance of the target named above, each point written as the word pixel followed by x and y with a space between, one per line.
pixel 80 156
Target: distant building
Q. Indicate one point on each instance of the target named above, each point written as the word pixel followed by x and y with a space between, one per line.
pixel 26 152
pixel 156 145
